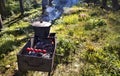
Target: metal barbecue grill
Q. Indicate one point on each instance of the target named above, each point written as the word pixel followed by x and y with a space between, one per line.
pixel 37 62
pixel 39 52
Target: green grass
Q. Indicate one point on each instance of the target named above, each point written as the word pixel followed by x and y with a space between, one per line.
pixel 89 41
pixel 70 19
pixel 96 41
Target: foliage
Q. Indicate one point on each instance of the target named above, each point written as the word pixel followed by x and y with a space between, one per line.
pixel 93 23
pixel 12 6
pixel 98 43
pixel 71 19
pixel 66 48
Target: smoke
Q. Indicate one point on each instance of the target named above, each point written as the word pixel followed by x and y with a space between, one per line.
pixel 55 11
pixel 65 3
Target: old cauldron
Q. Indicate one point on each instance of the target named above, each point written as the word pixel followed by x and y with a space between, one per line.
pixel 41 28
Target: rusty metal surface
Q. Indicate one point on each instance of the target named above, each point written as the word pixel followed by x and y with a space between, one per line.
pixel 35 63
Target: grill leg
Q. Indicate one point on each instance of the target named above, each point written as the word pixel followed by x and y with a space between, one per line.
pixel 49 73
pixel 20 73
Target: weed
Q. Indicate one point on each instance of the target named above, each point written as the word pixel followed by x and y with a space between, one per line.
pixel 93 23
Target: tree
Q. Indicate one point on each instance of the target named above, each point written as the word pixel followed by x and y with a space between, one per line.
pixel 50 2
pixel 35 3
pixel 115 5
pixel 2 8
pixel 0 23
pixel 21 7
pixel 104 4
pixel 92 1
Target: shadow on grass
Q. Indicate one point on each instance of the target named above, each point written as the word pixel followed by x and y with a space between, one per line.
pixel 18 32
pixel 17 19
pixel 112 20
pixel 13 21
pixel 115 23
pixel 10 46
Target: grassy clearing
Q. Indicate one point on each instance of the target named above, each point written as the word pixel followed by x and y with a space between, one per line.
pixel 95 43
pixel 87 38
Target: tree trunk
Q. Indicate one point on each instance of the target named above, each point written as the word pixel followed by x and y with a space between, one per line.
pixel 2 8
pixel 96 1
pixel 35 3
pixel 87 1
pixel 21 7
pixel 115 4
pixel 45 3
pixel 50 2
pixel 104 3
pixel 0 23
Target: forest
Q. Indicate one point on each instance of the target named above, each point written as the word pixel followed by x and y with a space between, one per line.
pixel 87 35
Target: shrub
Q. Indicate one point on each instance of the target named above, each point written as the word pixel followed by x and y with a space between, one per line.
pixel 93 23
pixel 66 48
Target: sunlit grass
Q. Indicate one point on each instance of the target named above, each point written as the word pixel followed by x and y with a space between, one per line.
pixel 74 10
pixel 71 19
pixel 93 23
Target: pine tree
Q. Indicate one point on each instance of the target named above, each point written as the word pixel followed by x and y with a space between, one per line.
pixel 0 23
pixel 2 8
